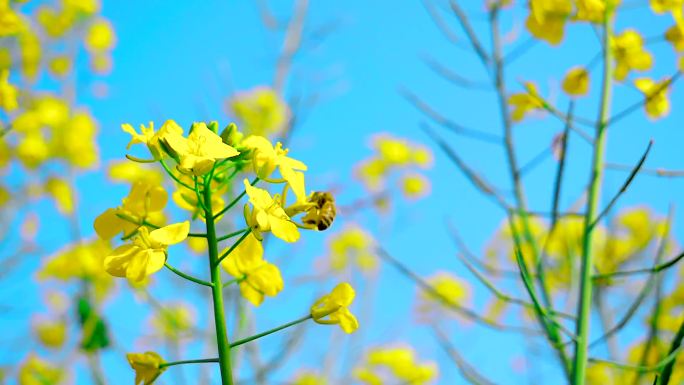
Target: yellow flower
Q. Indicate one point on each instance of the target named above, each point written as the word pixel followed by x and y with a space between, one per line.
pixel 355 245
pixel 257 277
pixel 8 93
pixel 36 371
pixel 415 186
pixel 524 102
pixel 334 306
pixel 100 36
pixel 657 103
pixel 261 111
pixel 592 11
pixel 151 139
pixel 62 193
pixel 547 18
pixel 147 252
pixel 675 7
pixel 143 202
pixel 402 362
pixel 51 334
pixel 60 65
pixel 133 172
pixel 448 288
pixel 30 52
pixel 82 261
pixel 372 172
pixel 172 321
pixel 267 214
pixel 309 378
pixel 146 366
pixel 266 158
pixel 10 22
pixel 401 152
pixel 576 82
pixel 367 376
pixel 630 54
pixel 675 35
pixel 200 150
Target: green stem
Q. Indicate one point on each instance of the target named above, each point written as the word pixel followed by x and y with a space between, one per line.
pixel 183 362
pixel 186 276
pixel 586 283
pixel 230 250
pixel 222 341
pixel 173 176
pixel 279 328
pixel 231 235
pixel 235 201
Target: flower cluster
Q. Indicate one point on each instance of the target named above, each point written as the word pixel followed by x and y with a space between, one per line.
pixel 396 364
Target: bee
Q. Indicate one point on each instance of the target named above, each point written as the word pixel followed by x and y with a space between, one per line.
pixel 323 211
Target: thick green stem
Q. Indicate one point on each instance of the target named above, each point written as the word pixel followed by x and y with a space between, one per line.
pixel 586 282
pixel 222 342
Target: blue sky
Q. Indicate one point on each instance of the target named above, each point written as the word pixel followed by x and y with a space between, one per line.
pixel 180 60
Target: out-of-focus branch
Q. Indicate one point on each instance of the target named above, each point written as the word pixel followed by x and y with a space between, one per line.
pixel 440 119
pixel 648 171
pixel 479 182
pixel 470 33
pixel 447 302
pixel 291 44
pixel 468 372
pixel 453 77
pixel 463 247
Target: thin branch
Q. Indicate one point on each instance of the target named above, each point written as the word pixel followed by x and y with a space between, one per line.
pixel 436 117
pixel 625 185
pixel 627 111
pixel 291 43
pixel 468 372
pixel 479 182
pixel 648 171
pixel 470 33
pixel 187 276
pixel 447 302
pixel 452 76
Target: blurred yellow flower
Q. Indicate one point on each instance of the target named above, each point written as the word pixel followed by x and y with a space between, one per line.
pixel 81 261
pixel 367 376
pixel 60 65
pixel 36 371
pixel 576 82
pixel 173 321
pixel 152 139
pixel 261 111
pixel 8 93
pixel 147 252
pixel 267 214
pixel 51 334
pixel 352 247
pixel 657 103
pixel 448 290
pixel 63 194
pixel 146 366
pixel 144 202
pixel 630 55
pixel 309 378
pixel 592 11
pixel 100 36
pixel 675 7
pixel 266 158
pixel 415 186
pixel 546 20
pixel 525 102
pixel 10 22
pixel 132 172
pixel 187 200
pixel 333 308
pixel 675 35
pixel 200 150
pixel 257 277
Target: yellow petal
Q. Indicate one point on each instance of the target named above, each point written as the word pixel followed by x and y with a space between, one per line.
pixel 171 234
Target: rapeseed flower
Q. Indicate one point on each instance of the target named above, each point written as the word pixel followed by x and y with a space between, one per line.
pixel 147 252
pixel 198 152
pixel 144 202
pixel 267 214
pixel 146 366
pixel 257 277
pixel 333 308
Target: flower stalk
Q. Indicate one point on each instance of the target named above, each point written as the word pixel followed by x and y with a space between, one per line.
pixel 594 191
